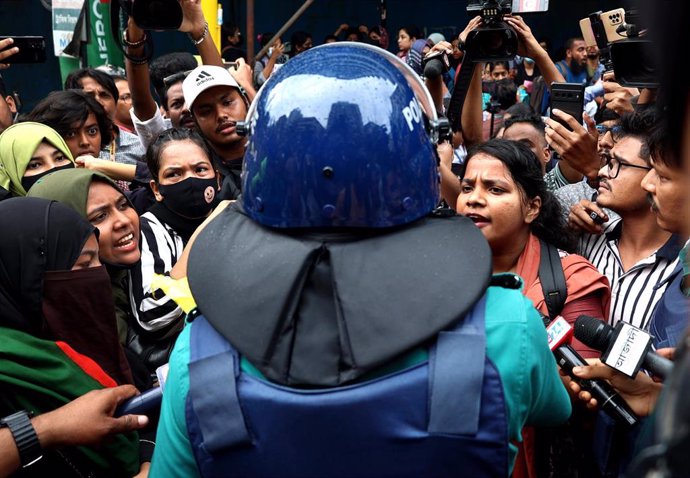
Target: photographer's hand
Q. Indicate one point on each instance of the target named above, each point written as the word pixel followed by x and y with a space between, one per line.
pixel 194 24
pixel 619 98
pixel 473 24
pixel 243 73
pixel 529 46
pixel 6 51
pixel 577 148
pixel 193 21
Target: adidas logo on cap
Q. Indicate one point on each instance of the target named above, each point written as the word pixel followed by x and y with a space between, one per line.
pixel 203 77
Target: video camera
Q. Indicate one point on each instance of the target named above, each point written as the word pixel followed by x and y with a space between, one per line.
pixel 154 14
pixel 495 39
pixel 617 35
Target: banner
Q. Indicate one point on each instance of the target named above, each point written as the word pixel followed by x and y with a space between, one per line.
pixel 101 49
pixel 65 21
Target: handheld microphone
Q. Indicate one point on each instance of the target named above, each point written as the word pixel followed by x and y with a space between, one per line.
pixel 559 332
pixel 625 347
pixel 436 64
pixel 140 404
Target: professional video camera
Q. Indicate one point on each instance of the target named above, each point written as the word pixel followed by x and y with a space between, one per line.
pixel 633 58
pixel 617 35
pixel 154 14
pixel 495 39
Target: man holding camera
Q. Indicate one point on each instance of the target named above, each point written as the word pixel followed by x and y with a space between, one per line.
pixel 217 119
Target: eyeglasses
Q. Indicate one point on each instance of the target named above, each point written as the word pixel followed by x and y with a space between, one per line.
pixel 615 166
pixel 170 80
pixel 615 130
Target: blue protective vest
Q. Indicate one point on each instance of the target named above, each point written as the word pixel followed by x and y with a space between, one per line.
pixel 443 417
pixel 672 312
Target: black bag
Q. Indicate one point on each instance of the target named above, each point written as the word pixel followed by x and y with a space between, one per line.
pixel 562 451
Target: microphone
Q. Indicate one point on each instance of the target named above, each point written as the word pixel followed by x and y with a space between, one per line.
pixel 559 332
pixel 435 64
pixel 625 347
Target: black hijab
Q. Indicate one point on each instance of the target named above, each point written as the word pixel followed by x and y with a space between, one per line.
pixel 36 235
pixel 40 241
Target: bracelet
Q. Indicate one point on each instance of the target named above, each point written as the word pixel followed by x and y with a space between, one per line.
pixel 203 35
pixel 127 43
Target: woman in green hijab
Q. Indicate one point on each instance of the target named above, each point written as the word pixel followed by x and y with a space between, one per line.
pixel 101 202
pixel 29 151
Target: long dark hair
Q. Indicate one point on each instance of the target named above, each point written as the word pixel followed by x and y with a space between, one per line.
pixel 525 169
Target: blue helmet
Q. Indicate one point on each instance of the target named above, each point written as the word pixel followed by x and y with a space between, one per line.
pixel 343 135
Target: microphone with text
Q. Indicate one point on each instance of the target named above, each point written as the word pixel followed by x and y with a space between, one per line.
pixel 559 333
pixel 624 347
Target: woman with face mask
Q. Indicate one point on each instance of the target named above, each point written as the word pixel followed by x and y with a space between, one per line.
pixel 29 151
pixel 58 337
pixel 101 202
pixel 185 186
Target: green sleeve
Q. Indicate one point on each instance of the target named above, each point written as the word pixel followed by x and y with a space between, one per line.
pixel 517 345
pixel 173 455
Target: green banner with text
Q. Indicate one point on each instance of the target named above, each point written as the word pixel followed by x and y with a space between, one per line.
pixel 101 48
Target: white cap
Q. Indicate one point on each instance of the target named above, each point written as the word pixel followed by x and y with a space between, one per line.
pixel 204 77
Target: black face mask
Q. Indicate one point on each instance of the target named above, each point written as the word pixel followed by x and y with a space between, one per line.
pixel 192 198
pixel 28 181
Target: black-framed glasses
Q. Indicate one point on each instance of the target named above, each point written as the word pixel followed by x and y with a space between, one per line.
pixel 170 80
pixel 614 165
pixel 615 131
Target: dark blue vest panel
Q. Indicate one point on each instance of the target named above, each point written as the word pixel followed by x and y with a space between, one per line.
pixel 672 313
pixel 429 420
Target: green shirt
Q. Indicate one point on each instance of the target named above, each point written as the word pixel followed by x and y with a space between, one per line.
pixel 516 344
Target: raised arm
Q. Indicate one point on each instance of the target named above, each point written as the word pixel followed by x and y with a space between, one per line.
pixel 529 46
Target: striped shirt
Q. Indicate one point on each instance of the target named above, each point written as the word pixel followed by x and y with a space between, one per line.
pixel 161 247
pixel 634 293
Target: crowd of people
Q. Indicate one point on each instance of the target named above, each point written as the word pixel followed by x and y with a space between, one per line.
pixel 324 278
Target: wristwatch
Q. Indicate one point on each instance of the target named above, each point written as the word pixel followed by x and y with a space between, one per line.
pixel 24 437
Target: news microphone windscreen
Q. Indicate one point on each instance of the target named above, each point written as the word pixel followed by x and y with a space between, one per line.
pixel 593 332
pixel 433 68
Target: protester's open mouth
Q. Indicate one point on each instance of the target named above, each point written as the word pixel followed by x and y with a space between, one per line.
pixel 479 220
pixel 126 244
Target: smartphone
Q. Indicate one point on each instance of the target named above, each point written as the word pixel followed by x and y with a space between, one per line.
pixel 570 98
pixel 32 49
pixel 601 28
pixel 611 20
pixel 587 32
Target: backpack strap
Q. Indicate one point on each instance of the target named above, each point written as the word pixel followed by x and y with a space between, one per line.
pixel 213 367
pixel 456 375
pixel 552 279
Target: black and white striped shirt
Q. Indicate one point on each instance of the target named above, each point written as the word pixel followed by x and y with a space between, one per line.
pixel 161 247
pixel 635 292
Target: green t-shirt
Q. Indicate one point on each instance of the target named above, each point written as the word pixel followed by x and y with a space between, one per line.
pixel 516 344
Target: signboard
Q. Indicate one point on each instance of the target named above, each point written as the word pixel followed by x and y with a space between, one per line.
pixel 65 19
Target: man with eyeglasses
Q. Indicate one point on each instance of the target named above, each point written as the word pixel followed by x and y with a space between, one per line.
pixel 633 252
pixel 607 134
